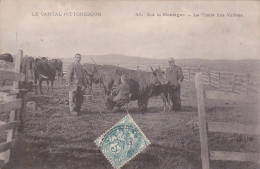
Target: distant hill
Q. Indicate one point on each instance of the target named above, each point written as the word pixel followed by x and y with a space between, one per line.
pixel 126 61
pixel 114 59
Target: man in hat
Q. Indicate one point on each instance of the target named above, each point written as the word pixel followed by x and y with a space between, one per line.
pixel 77 83
pixel 174 77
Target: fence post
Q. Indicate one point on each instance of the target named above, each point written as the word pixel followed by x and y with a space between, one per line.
pixel 199 68
pixel 189 72
pixel 10 133
pixel 234 82
pixel 218 79
pixel 209 76
pixel 202 120
pixel 17 69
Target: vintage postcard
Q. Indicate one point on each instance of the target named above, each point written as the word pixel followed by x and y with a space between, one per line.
pixel 129 84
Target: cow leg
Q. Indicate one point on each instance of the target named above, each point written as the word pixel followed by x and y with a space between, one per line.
pixel 40 85
pixel 127 108
pixel 35 87
pixel 167 98
pixel 47 85
pixel 3 83
pixel 52 86
pixel 91 91
pixel 140 105
pixel 169 101
pixel 145 105
pixel 164 102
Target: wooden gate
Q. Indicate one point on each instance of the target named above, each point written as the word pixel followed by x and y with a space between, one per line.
pixel 10 104
pixel 205 127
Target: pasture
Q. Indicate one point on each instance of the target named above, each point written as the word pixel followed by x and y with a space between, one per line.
pixel 53 138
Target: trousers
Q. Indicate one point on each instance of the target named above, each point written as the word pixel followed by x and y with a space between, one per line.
pixel 75 99
pixel 175 96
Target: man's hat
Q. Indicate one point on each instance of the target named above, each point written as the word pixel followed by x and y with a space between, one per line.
pixel 171 59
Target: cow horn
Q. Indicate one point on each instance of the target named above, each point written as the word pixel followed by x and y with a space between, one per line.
pixel 151 67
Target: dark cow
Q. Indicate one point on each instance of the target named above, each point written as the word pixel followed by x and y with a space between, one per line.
pixel 110 76
pixel 148 84
pixel 6 58
pixel 45 70
pixel 93 75
pixel 28 69
pixel 162 90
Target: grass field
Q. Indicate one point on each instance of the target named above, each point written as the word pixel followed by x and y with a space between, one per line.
pixel 55 139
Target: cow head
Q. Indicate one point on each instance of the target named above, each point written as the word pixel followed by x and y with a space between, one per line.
pixel 37 60
pixel 158 76
pixel 158 82
pixel 60 67
pixel 55 63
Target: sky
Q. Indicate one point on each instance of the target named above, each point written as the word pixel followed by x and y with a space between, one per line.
pixel 120 31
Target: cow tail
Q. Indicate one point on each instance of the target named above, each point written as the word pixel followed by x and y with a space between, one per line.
pixel 100 80
pixel 40 75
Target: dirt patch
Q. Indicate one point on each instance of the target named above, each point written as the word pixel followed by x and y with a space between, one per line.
pixel 53 138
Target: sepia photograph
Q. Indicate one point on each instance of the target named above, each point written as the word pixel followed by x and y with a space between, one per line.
pixel 135 84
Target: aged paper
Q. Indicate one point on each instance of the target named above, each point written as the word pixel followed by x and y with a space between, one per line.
pixel 217 37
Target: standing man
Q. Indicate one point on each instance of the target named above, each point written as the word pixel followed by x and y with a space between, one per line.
pixel 174 77
pixel 76 80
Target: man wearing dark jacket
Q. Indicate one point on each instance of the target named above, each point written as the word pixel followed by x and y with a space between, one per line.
pixel 77 83
pixel 174 77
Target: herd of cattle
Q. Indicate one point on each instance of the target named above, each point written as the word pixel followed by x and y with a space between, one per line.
pixel 37 70
pixel 143 85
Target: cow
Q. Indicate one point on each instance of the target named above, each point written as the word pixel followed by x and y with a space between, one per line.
pixel 162 91
pixel 110 76
pixel 149 84
pixel 7 57
pixel 28 69
pixel 45 70
pixel 92 72
pixel 6 62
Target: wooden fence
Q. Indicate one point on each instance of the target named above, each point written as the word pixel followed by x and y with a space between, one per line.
pixel 205 127
pixel 237 82
pixel 224 80
pixel 10 104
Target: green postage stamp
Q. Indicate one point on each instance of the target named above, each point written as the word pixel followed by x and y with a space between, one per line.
pixel 122 142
